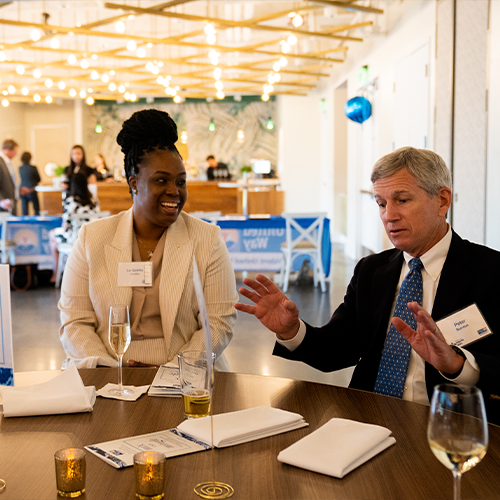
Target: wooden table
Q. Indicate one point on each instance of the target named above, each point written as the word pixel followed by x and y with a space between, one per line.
pixel 406 470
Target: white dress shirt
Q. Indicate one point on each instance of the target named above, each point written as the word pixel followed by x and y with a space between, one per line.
pixel 415 388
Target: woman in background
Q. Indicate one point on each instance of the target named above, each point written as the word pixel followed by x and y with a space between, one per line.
pixel 101 170
pixel 78 164
pixel 29 180
pixel 164 317
pixel 80 201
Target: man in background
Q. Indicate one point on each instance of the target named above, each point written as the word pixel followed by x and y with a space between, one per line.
pixel 217 170
pixel 29 180
pixel 8 183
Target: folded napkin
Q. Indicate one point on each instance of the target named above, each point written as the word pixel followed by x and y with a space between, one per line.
pixel 337 447
pixel 242 426
pixel 62 394
pixel 137 392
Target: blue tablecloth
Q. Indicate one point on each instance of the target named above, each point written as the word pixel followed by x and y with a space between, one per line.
pixel 255 244
pixel 31 235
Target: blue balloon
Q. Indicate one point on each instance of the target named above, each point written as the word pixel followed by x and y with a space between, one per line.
pixel 358 109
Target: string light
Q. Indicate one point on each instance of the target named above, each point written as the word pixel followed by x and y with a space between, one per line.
pixel 120 27
pixel 131 46
pixel 141 52
pixel 297 19
pixel 285 48
pixel 55 43
pixel 61 85
pixel 72 59
pixel 48 99
pixel 36 34
pixel 11 89
pixel 20 69
pixel 177 99
pixel 292 39
pixel 112 86
pixel 90 100
pixel 265 97
pixel 84 64
pixel 5 103
pixel 105 78
pixel 184 137
pixel 36 98
pixel 72 92
pixel 220 95
pixel 37 73
pixel 240 136
pixel 217 73
pixel 49 83
pixel 25 91
pixel 283 61
pixel 94 75
pixel 83 94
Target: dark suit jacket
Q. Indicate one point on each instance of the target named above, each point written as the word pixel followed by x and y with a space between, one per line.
pixel 29 175
pixel 7 188
pixel 355 334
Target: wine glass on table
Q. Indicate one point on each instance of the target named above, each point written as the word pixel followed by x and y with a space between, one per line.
pixel 458 429
pixel 119 340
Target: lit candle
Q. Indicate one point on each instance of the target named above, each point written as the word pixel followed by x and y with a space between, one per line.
pixel 70 472
pixel 149 468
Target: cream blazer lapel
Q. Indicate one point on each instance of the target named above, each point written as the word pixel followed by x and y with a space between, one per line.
pixel 120 250
pixel 176 264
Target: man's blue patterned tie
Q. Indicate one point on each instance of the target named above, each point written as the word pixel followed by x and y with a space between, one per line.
pixel 391 374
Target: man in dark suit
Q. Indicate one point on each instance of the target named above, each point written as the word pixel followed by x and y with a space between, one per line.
pixel 7 176
pixel 413 191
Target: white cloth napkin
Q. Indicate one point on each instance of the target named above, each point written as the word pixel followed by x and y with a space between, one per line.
pixel 62 394
pixel 337 447
pixel 137 392
pixel 242 426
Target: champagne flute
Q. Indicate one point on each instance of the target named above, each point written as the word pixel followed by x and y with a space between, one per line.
pixel 458 429
pixel 119 340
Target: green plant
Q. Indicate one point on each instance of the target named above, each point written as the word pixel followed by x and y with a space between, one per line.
pixel 246 169
pixel 58 171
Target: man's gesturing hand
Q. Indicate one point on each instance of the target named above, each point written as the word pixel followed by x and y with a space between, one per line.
pixel 428 341
pixel 272 308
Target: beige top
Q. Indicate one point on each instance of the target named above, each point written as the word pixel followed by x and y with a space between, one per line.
pixel 145 314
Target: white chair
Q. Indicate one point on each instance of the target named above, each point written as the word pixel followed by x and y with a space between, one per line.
pixel 64 249
pixel 6 246
pixel 307 242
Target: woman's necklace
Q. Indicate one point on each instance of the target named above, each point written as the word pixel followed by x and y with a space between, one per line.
pixel 148 250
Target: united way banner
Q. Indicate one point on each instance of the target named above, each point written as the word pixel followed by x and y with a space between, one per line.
pixel 6 357
pixel 255 244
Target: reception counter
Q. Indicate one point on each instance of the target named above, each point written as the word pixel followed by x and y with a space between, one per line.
pixel 263 197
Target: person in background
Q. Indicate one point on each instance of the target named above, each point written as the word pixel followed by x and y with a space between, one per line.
pixel 9 192
pixel 78 164
pixel 80 201
pixel 217 171
pixel 101 170
pixel 29 180
pixel 386 326
pixel 155 234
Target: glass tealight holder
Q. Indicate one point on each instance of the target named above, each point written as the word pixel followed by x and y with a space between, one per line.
pixel 149 470
pixel 70 472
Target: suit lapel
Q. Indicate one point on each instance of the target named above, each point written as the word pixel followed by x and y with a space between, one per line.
pixel 454 279
pixel 176 263
pixel 120 250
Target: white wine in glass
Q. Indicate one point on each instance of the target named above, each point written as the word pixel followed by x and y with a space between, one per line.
pixel 119 340
pixel 458 429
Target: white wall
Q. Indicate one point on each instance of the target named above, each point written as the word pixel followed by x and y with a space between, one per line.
pixel 415 30
pixel 299 163
pixel 493 148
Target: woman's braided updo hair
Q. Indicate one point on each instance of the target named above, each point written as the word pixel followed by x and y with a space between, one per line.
pixel 143 132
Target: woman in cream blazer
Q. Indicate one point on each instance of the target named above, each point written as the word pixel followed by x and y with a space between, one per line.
pixel 90 287
pixel 154 229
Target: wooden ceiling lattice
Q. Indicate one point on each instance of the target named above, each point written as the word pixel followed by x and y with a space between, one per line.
pixel 181 48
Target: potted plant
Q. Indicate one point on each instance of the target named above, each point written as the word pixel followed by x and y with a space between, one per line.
pixel 245 171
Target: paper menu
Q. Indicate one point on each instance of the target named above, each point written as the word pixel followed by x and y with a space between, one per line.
pixel 6 357
pixel 166 382
pixel 120 452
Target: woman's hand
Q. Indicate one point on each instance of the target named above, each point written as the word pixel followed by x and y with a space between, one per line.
pixel 138 364
pixel 272 307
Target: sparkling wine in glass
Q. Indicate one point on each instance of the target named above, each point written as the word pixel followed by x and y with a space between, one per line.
pixel 458 429
pixel 119 340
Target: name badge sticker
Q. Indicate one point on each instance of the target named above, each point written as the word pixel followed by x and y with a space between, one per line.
pixel 135 274
pixel 464 327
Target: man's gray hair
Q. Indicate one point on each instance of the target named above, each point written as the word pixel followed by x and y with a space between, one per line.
pixel 9 144
pixel 428 168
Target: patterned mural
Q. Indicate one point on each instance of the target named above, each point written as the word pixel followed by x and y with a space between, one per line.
pixel 193 116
